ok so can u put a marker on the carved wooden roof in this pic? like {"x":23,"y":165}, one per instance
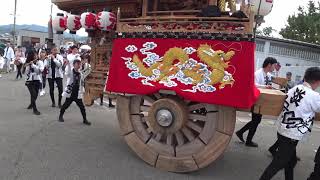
{"x":128,"y":7}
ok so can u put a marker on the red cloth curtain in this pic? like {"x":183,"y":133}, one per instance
{"x":125,"y":77}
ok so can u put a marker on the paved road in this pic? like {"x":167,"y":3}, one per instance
{"x":41,"y":148}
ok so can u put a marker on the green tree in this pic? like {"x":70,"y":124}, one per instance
{"x":305,"y":25}
{"x":267,"y":31}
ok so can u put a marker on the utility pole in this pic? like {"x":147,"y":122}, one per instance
{"x":50,"y":30}
{"x":14,"y":22}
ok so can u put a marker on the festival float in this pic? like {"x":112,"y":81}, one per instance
{"x":179,"y":70}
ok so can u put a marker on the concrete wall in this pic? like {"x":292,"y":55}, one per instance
{"x":41,"y":35}
{"x":299,"y":57}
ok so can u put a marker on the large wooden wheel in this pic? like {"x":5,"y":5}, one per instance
{"x":172,"y":134}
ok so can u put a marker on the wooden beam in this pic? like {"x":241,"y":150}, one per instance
{"x":213,"y":2}
{"x":144,"y":8}
{"x":155,"y":5}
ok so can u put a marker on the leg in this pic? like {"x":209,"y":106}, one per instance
{"x":273,"y":149}
{"x":60,"y":90}
{"x":256,"y":119}
{"x":65,"y":106}
{"x":101,"y":99}
{"x":316,"y":173}
{"x":246,"y":128}
{"x":110,"y":103}
{"x":30,"y":91}
{"x":44,"y":82}
{"x":83,"y":111}
{"x":35,"y":91}
{"x":51,"y":87}
{"x":282,"y":158}
{"x":288,"y":170}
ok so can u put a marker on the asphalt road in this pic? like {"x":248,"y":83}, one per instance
{"x":40,"y":148}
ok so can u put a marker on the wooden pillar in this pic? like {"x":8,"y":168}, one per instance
{"x":213,"y":2}
{"x":155,"y":5}
{"x":144,"y":8}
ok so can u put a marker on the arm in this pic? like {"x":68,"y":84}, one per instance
{"x":38,"y":68}
{"x":58,"y":61}
{"x":68,"y":70}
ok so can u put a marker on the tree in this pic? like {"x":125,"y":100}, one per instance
{"x":267,"y":31}
{"x":305,"y":25}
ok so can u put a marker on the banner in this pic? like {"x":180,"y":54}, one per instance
{"x":208,"y":71}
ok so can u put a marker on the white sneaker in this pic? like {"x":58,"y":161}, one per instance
{"x":42,"y":92}
{"x":0,"y":75}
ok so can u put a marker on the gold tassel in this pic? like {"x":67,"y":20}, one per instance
{"x":222,"y":5}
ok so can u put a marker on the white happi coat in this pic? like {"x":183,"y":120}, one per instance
{"x":58,"y":60}
{"x":298,"y":114}
{"x":69,"y":74}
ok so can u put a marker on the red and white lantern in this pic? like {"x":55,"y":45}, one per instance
{"x":73,"y":23}
{"x":59,"y":23}
{"x":88,"y":21}
{"x":265,"y":6}
{"x":106,"y":21}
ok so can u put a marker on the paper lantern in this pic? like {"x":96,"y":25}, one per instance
{"x":265,"y":7}
{"x":59,"y":23}
{"x":73,"y":23}
{"x":106,"y":21}
{"x":88,"y":21}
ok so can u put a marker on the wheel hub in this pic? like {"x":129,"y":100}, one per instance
{"x":164,"y":118}
{"x":167,"y":116}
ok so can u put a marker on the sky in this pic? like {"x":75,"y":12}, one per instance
{"x":38,"y":11}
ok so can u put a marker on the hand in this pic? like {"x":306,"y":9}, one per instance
{"x":268,"y":87}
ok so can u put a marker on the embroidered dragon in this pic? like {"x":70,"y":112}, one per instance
{"x":175,"y":58}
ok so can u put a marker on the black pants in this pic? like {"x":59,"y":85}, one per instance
{"x":251,"y":126}
{"x":80,"y":104}
{"x":44,"y":82}
{"x":60,"y":89}
{"x":285,"y":158}
{"x":316,"y":172}
{"x":33,"y":87}
{"x":19,"y":74}
{"x":274,"y":147}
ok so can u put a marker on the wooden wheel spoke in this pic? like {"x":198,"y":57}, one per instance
{"x":179,"y":138}
{"x":190,"y":136}
{"x":144,"y":108}
{"x":158,"y":137}
{"x":194,"y":126}
{"x":169,"y":139}
{"x":198,"y":117}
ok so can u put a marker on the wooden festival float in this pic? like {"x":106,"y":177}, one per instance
{"x":180,"y":70}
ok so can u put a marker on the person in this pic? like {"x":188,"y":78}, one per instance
{"x":1,"y":63}
{"x":55,"y":75}
{"x":33,"y":70}
{"x":289,"y":86}
{"x":19,"y":60}
{"x":75,"y":89}
{"x":290,"y":83}
{"x":295,"y":123}
{"x":263,"y":79}
{"x":43,"y":58}
{"x":8,"y":56}
{"x":72,"y":55}
{"x":315,"y":175}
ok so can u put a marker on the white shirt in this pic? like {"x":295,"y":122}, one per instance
{"x":34,"y":71}
{"x":262,"y":79}
{"x":8,"y":53}
{"x":298,"y":114}
{"x":58,"y":60}
{"x":71,"y":57}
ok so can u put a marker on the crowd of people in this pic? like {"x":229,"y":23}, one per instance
{"x":49,"y":65}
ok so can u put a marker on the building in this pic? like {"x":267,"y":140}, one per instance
{"x":27,"y":37}
{"x":294,"y":56}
